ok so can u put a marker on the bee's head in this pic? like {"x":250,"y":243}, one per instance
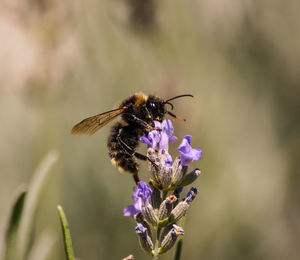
{"x":157,"y":109}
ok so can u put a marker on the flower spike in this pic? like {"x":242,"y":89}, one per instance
{"x":157,"y":206}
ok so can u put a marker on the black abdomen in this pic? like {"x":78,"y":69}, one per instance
{"x":119,"y":157}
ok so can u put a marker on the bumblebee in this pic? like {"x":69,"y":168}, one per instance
{"x":138,"y":113}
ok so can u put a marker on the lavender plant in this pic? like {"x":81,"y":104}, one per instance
{"x":156,"y":207}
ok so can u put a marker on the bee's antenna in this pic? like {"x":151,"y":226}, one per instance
{"x":169,"y":104}
{"x":185,"y":95}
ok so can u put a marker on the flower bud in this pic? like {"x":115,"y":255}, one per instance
{"x":191,"y":195}
{"x":164,"y":232}
{"x":179,"y":211}
{"x":149,"y":214}
{"x":190,"y":177}
{"x":154,"y":170}
{"x":144,"y":239}
{"x":179,"y":172}
{"x":165,"y":176}
{"x":181,"y":208}
{"x":139,"y":218}
{"x":166,"y":207}
{"x":170,"y":238}
{"x":155,"y":197}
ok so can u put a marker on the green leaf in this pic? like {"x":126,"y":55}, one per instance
{"x":8,"y":237}
{"x":34,"y":192}
{"x":66,"y":234}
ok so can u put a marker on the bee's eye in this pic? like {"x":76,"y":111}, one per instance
{"x":152,"y":105}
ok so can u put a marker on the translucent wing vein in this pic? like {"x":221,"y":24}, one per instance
{"x":92,"y":124}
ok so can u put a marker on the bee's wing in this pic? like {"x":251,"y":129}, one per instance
{"x":92,"y":124}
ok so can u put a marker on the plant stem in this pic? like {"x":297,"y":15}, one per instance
{"x":164,"y":195}
{"x":156,"y":246}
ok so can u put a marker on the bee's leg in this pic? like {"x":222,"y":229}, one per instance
{"x":139,"y":121}
{"x":136,"y":178}
{"x":131,"y":151}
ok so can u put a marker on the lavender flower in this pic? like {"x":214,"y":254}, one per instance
{"x":141,"y":196}
{"x":171,"y":174}
{"x":158,"y":206}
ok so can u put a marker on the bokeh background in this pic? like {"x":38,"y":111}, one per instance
{"x":61,"y":61}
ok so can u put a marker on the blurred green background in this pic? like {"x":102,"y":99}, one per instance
{"x":61,"y":61}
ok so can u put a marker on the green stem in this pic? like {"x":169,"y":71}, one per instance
{"x":179,"y":242}
{"x":156,"y":246}
{"x":158,"y":231}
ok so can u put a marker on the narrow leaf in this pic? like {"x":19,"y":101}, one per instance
{"x":66,"y":234}
{"x":8,"y":236}
{"x":32,"y":199}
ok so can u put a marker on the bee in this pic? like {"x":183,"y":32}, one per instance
{"x":138,"y":113}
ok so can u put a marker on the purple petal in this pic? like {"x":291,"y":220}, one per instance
{"x":130,"y":211}
{"x":155,"y":138}
{"x":157,"y":125}
{"x":169,"y":130}
{"x":188,"y":154}
{"x":137,"y":200}
{"x":172,"y":139}
{"x":169,"y":160}
{"x":144,"y":192}
{"x":168,"y":127}
{"x":185,"y":145}
{"x":166,"y":136}
{"x":141,"y":195}
{"x":145,"y":140}
{"x":196,"y":154}
{"x":164,"y":142}
{"x":152,"y":139}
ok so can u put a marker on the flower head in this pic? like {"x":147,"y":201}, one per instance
{"x":169,"y":174}
{"x":141,"y":196}
{"x":160,"y":206}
